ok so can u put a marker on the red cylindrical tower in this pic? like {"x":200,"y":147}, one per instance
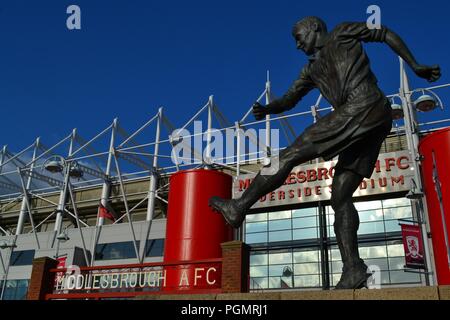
{"x":194,"y":231}
{"x":435,"y":148}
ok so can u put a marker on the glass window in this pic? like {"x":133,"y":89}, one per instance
{"x":361,"y":206}
{"x":372,"y":252}
{"x":335,"y":278}
{"x":259,"y":283}
{"x":330,"y":219}
{"x":258,"y":258}
{"x":331,"y":233}
{"x":117,"y":250}
{"x":155,"y":248}
{"x":398,"y":202}
{"x":306,"y":256}
{"x":306,"y":268}
{"x":308,"y":233}
{"x":381,"y":263}
{"x":284,"y":257}
{"x":279,"y":270}
{"x":336,"y":266}
{"x":256,"y":217}
{"x":15,"y":289}
{"x":287,"y":282}
{"x":398,"y":213}
{"x":383,"y":276}
{"x":396,"y":250}
{"x":280,"y":215}
{"x":334,"y":254}
{"x":404,"y":277}
{"x":306,"y":212}
{"x":256,"y":237}
{"x":22,"y":258}
{"x":275,"y":282}
{"x":280,"y":236}
{"x":256,"y":227}
{"x":371,"y":215}
{"x":280,"y":224}
{"x":307,"y":281}
{"x":392,"y":226}
{"x":397,"y":263}
{"x":371,"y":227}
{"x":304,"y":222}
{"x":259,"y":271}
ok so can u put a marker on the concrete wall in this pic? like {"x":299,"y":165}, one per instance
{"x":417,"y":293}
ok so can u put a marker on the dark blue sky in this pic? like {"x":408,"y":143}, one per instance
{"x":133,"y":56}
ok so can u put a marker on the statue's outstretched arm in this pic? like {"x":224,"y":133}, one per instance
{"x":431,"y":73}
{"x":296,"y":92}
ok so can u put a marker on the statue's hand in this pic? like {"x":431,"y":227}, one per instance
{"x":431,"y":73}
{"x":259,"y":111}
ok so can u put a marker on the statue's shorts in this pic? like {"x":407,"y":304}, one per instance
{"x":355,"y":131}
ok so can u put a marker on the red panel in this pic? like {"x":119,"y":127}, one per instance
{"x":439,"y":144}
{"x":194,"y":231}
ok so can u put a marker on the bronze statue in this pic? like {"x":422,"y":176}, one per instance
{"x":355,"y":130}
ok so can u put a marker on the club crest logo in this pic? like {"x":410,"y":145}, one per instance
{"x":413,"y":247}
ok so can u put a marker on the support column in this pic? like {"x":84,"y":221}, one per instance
{"x":154,"y":173}
{"x":152,"y":189}
{"x":63,"y":195}
{"x":419,"y":206}
{"x":23,"y":207}
{"x":235,"y":267}
{"x":268,"y":142}
{"x":42,"y":281}
{"x":106,"y":188}
{"x":207,"y":158}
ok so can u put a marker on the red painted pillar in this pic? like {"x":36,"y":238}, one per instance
{"x":434,"y":173}
{"x":194,"y":231}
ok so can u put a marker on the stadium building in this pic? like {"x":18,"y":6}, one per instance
{"x":103,"y":204}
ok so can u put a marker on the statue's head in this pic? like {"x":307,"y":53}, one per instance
{"x":307,"y":32}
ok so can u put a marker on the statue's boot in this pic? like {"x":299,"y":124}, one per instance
{"x":234,"y":210}
{"x":230,"y":209}
{"x":354,"y":277}
{"x":354,"y":272}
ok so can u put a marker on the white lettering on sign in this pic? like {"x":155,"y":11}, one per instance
{"x":184,"y":279}
{"x":163,"y":278}
{"x":197,"y":276}
{"x":207,"y":276}
{"x":104,"y":280}
{"x":312,"y":182}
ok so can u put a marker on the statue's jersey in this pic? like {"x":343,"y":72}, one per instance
{"x":341,"y":71}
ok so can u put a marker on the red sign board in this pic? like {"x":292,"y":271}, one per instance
{"x":202,"y":276}
{"x":413,"y":245}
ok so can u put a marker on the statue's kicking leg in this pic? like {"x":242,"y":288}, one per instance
{"x":346,"y":225}
{"x":267,"y":180}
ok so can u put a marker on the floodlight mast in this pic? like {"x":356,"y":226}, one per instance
{"x":63,"y":193}
{"x":154,"y":171}
{"x":25,"y":199}
{"x":106,"y":187}
{"x":412,"y":138}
